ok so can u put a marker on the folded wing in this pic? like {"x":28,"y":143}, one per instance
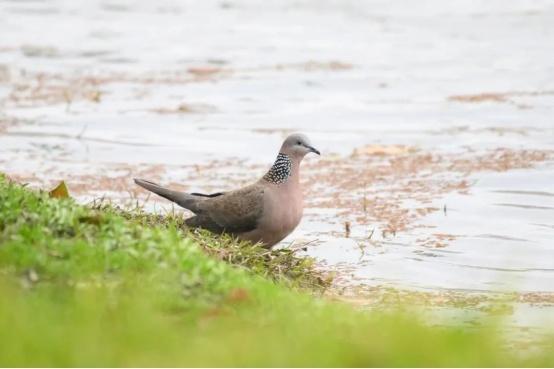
{"x":231,"y":212}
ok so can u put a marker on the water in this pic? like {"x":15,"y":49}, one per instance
{"x":435,"y":121}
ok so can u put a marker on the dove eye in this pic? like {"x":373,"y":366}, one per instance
{"x":299,"y":143}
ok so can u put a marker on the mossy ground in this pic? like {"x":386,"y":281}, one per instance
{"x":95,"y":286}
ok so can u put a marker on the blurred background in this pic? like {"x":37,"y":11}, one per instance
{"x":434,"y":119}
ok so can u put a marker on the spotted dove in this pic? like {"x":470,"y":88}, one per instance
{"x":266,"y":211}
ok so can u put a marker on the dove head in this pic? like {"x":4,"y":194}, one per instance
{"x":296,"y":146}
{"x":292,"y":151}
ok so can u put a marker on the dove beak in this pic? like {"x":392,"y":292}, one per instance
{"x":314,"y":150}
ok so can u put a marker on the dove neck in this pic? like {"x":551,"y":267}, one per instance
{"x":281,"y":170}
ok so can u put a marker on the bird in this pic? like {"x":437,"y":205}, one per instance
{"x":263,"y":212}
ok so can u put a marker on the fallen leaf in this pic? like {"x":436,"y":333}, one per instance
{"x":60,"y":192}
{"x":204,"y":71}
{"x":238,"y":295}
{"x":382,"y":150}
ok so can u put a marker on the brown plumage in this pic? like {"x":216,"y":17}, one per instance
{"x":266,"y":211}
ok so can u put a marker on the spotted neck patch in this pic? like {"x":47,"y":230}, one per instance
{"x":280,"y":171}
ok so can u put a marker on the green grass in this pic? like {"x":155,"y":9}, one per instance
{"x":85,"y":286}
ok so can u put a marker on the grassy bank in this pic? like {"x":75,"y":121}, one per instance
{"x":88,"y":287}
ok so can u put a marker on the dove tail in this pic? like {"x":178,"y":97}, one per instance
{"x":180,"y":198}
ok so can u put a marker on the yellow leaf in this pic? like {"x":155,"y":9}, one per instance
{"x":60,"y":192}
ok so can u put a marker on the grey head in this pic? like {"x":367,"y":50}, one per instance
{"x":293,"y":150}
{"x":296,"y":146}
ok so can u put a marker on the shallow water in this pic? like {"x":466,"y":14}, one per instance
{"x":435,"y":121}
